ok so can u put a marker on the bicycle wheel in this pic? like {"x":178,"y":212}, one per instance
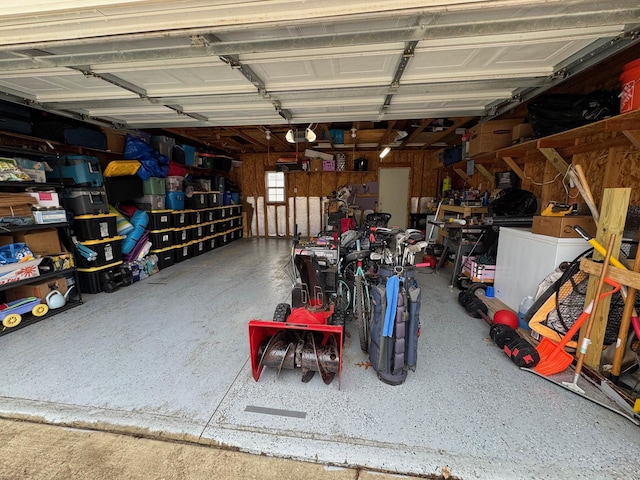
{"x":361,"y":313}
{"x":343,"y":296}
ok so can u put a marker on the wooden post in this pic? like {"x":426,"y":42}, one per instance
{"x":613,"y":214}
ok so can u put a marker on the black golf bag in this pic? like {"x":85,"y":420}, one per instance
{"x":393,"y":348}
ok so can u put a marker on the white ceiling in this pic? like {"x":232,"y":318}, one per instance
{"x":189,"y":63}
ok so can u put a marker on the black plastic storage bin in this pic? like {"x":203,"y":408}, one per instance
{"x":108,"y":250}
{"x":159,"y":219}
{"x":123,"y":188}
{"x":165,"y":257}
{"x":85,"y":201}
{"x":182,"y":252}
{"x":210,"y":242}
{"x":208,"y":215}
{"x":181,"y":235}
{"x":214,"y":199}
{"x":198,"y":247}
{"x":196,"y":216}
{"x":161,"y":238}
{"x":91,"y":280}
{"x":95,"y":227}
{"x":180,"y":218}
{"x":196,"y":201}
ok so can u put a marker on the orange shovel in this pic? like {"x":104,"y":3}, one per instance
{"x":553,"y":358}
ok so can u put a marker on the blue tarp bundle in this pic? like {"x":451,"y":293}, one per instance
{"x":152,"y":163}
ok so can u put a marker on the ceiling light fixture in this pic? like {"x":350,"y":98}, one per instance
{"x":353,"y":132}
{"x":400,"y":135}
{"x":385,"y":152}
{"x":290,"y":136}
{"x":309,"y":134}
{"x":267,"y":134}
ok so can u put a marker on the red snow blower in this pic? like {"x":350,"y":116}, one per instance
{"x":308,"y":336}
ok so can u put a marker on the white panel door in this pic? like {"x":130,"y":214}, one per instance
{"x":393,"y":195}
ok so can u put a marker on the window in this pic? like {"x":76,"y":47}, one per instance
{"x":275,"y":187}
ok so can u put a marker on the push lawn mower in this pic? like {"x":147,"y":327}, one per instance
{"x":307,"y":334}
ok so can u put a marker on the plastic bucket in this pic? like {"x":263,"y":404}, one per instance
{"x":630,"y":92}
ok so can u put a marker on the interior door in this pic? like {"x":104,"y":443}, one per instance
{"x":394,"y":194}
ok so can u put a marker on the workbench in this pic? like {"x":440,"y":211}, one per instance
{"x":460,"y":240}
{"x":461,"y":211}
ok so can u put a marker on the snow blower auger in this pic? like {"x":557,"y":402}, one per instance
{"x":308,"y":336}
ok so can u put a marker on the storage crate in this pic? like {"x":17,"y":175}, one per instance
{"x":198,"y":247}
{"x":85,"y":201}
{"x":174,"y":200}
{"x":91,"y":279}
{"x":208,"y":215}
{"x":173,"y":184}
{"x":95,"y":227}
{"x":214,"y":199}
{"x":196,"y":217}
{"x":123,"y":188}
{"x":478,"y":273}
{"x":150,"y":202}
{"x":209,"y":228}
{"x":180,"y":218}
{"x":221,"y":212}
{"x":75,"y":170}
{"x":181,"y":252}
{"x":44,"y":216}
{"x":184,"y":154}
{"x":159,"y":219}
{"x":165,"y":257}
{"x":48,"y":198}
{"x":197,"y":201}
{"x":153,"y":186}
{"x":181,"y":235}
{"x":163,"y":145}
{"x":161,"y":238}
{"x":109,"y":250}
{"x":328,"y":165}
{"x":197,"y":232}
{"x":210,"y":242}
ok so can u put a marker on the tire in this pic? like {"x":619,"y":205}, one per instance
{"x":475,"y":287}
{"x":343,"y":296}
{"x":282,"y":312}
{"x":362,"y":309}
{"x":11,"y":320}
{"x":463,"y":283}
{"x":40,"y":310}
{"x":350,"y":271}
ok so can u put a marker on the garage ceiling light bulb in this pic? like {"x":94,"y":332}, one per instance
{"x":385,"y":152}
{"x":353,"y":132}
{"x":310,"y":135}
{"x":289,"y":136}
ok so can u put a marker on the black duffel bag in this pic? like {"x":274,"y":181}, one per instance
{"x":555,"y":113}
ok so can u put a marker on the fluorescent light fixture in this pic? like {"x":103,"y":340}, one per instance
{"x":310,"y":135}
{"x":290,"y":136}
{"x":385,"y":152}
{"x":400,"y":135}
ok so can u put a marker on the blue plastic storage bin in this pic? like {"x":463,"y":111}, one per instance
{"x":75,"y":170}
{"x":174,"y":200}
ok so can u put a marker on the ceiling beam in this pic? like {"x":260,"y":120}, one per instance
{"x":424,"y":123}
{"x":458,"y":122}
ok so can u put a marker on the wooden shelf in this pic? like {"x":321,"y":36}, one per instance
{"x":564,"y":142}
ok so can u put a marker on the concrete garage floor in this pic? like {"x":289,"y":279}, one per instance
{"x":168,"y":358}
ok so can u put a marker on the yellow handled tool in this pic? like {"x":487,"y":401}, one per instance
{"x":598,"y":247}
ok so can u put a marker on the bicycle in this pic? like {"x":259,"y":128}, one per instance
{"x":362,"y":304}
